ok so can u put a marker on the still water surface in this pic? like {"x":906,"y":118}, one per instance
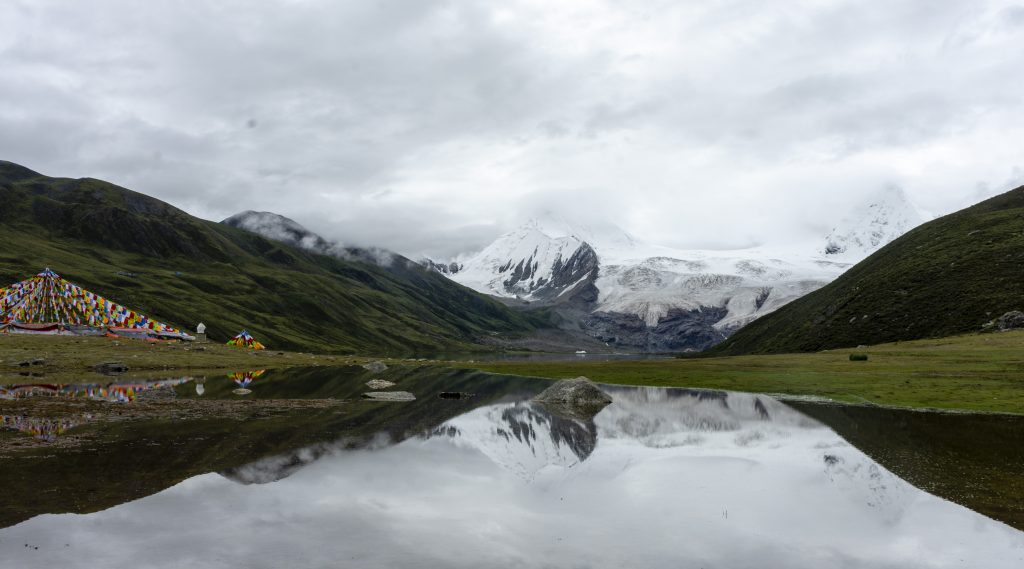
{"x":660,"y":478}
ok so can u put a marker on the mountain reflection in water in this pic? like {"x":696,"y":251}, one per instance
{"x":660,"y":478}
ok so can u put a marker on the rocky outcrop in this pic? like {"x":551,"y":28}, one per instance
{"x":1012,"y":320}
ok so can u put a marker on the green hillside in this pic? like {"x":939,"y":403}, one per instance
{"x":946,"y":277}
{"x":183,"y":270}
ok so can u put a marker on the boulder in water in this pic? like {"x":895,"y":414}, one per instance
{"x":579,"y":398}
{"x":379,"y":384}
{"x":375,"y":367}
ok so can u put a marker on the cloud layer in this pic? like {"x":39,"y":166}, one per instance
{"x":430,"y":127}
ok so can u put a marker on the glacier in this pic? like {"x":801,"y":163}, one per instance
{"x":632,"y":294}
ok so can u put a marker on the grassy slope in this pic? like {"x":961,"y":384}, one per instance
{"x":974,"y":373}
{"x":945,"y":277}
{"x":193,"y":270}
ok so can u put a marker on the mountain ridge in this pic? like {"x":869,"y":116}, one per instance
{"x":180,"y":269}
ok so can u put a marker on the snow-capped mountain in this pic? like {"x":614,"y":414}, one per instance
{"x":636,"y":295}
{"x":533,"y":262}
{"x":881,"y":220}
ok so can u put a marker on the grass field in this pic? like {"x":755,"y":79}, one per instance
{"x":70,"y":359}
{"x":983,"y":372}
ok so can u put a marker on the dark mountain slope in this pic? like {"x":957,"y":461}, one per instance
{"x":948,"y":276}
{"x":180,"y":269}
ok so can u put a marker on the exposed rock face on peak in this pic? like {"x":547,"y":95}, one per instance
{"x":529,"y":263}
{"x":880,"y":221}
{"x":443,"y":268}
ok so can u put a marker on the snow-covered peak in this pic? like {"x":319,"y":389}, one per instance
{"x":879,"y":221}
{"x":533,"y":260}
{"x":601,"y":234}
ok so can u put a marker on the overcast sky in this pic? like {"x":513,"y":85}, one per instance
{"x":431,"y":127}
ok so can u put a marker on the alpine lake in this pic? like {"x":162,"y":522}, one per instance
{"x":298,"y":468}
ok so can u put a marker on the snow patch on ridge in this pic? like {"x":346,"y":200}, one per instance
{"x":748,"y":283}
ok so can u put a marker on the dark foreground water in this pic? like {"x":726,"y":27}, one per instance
{"x":660,"y":478}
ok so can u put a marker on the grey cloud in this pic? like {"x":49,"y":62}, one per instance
{"x":431,"y":127}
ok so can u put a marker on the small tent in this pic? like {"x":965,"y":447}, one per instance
{"x":48,"y":304}
{"x":245,"y":340}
